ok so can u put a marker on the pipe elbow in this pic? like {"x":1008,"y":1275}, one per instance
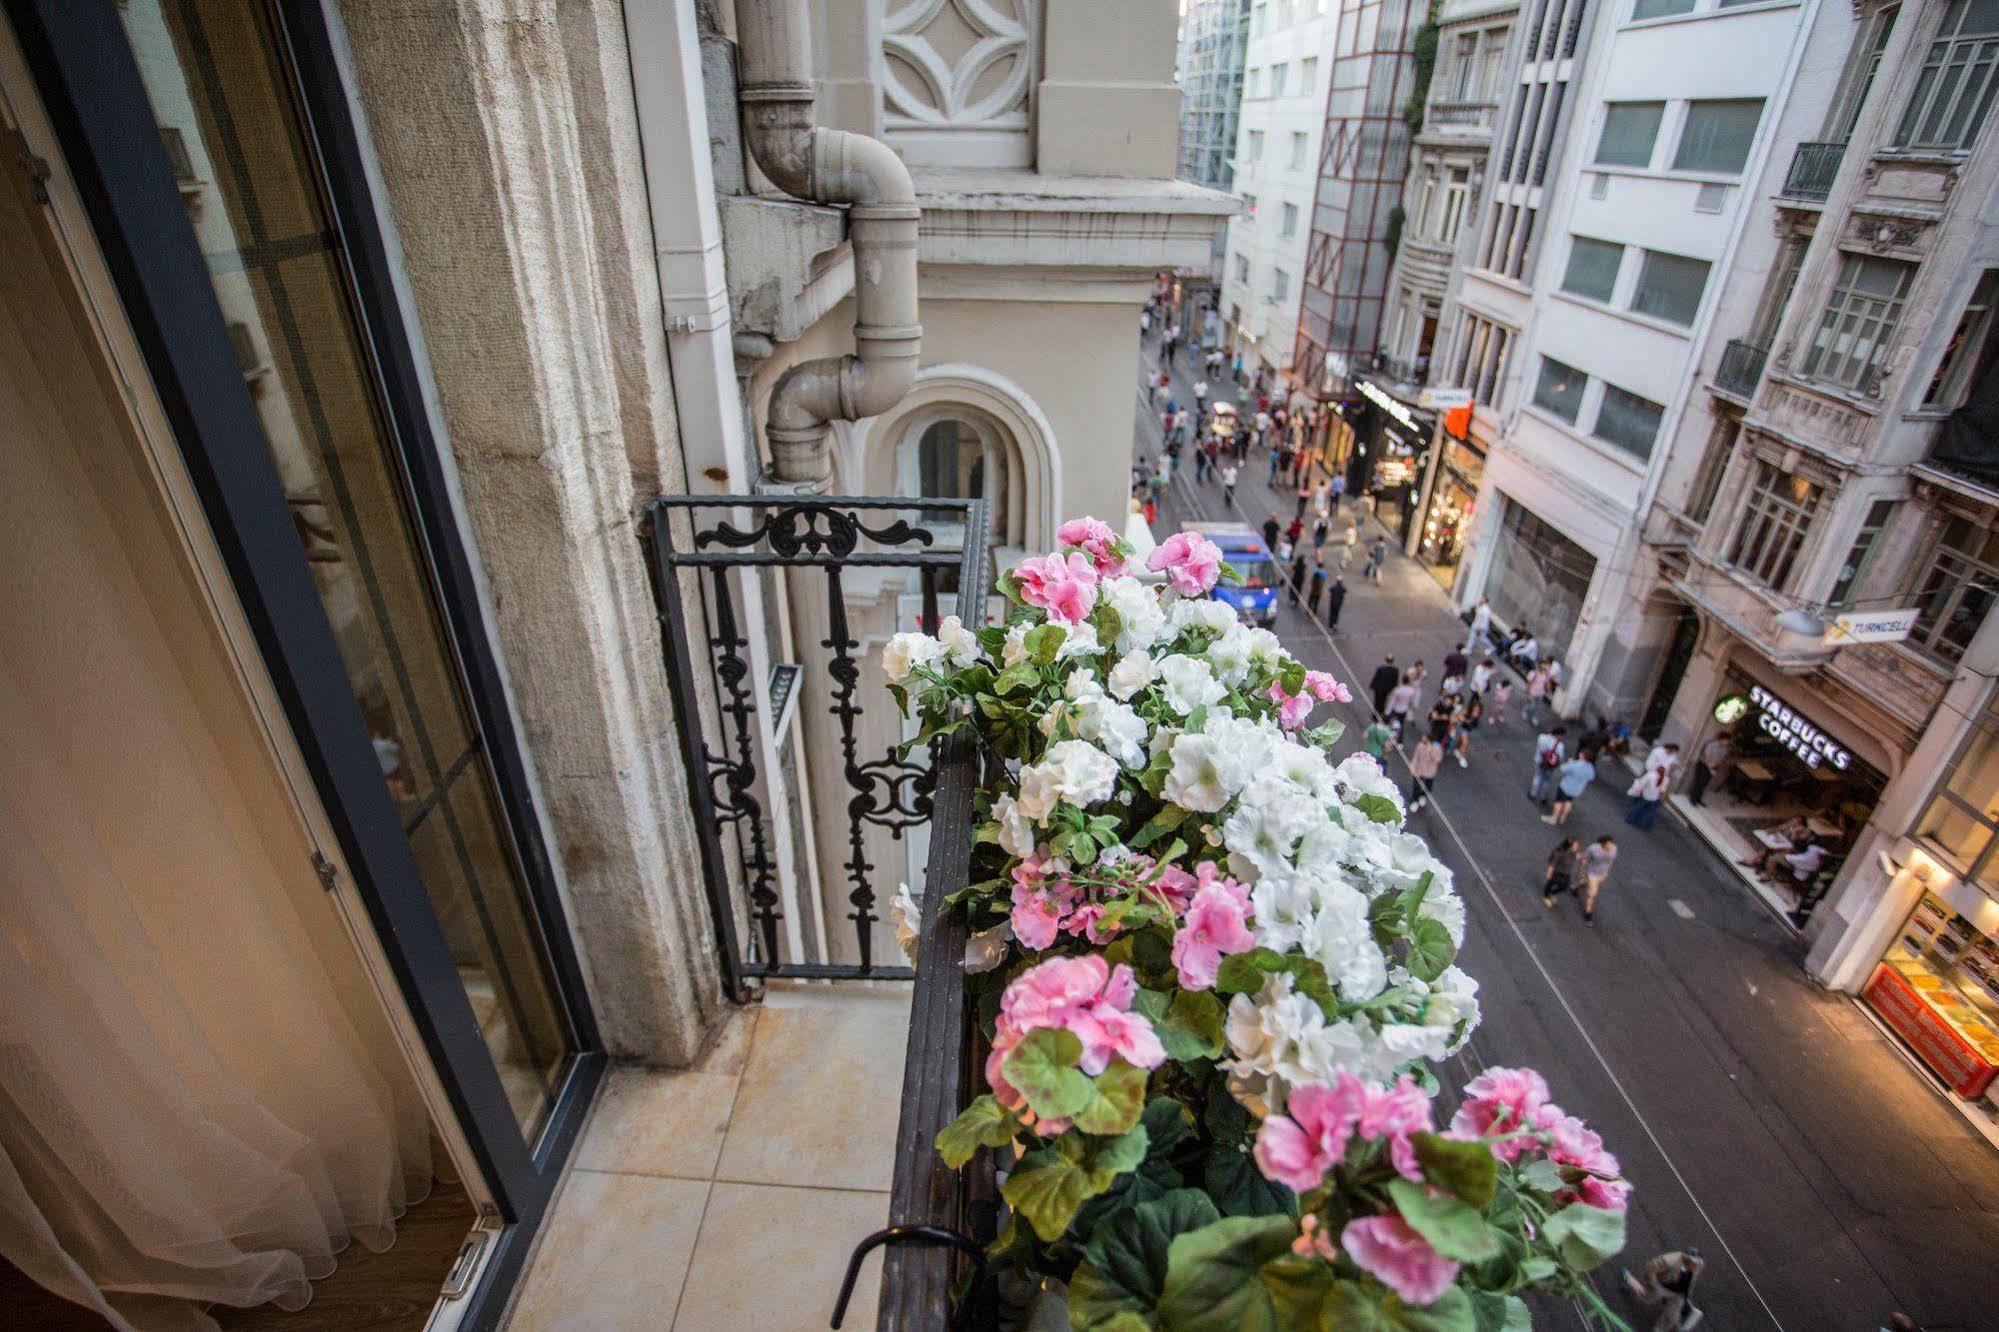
{"x":856,"y":169}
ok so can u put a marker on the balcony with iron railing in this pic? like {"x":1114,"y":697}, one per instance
{"x":1741,"y":368}
{"x":1814,"y":167}
{"x":1459,"y":117}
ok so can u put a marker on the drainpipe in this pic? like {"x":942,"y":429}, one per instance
{"x":830,"y":166}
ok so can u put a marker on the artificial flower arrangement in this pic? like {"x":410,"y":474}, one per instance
{"x":1216,"y":970}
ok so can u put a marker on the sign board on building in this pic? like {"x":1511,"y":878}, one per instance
{"x":1871,"y":627}
{"x":1781,"y":723}
{"x":1443,"y":399}
{"x":1396,"y":410}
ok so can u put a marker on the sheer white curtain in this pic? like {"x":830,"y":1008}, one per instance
{"x":201,"y":1100}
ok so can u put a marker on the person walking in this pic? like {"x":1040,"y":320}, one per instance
{"x":1201,"y":395}
{"x":1339,"y":491}
{"x":1502,"y":694}
{"x":1570,"y":781}
{"x":1336,"y":600}
{"x":1424,"y":760}
{"x":1456,"y":663}
{"x":1271,"y":527}
{"x":1665,"y":1285}
{"x":1707,"y":767}
{"x":1400,"y":700}
{"x":1376,"y":739}
{"x":1318,"y":583}
{"x":1321,"y":529}
{"x":1481,"y":624}
{"x":1377,"y":555}
{"x":1645,"y":793}
{"x":1666,"y":760}
{"x":1348,"y":541}
{"x":1283,"y":554}
{"x":1550,"y":751}
{"x":1564,"y":872}
{"x":1598,"y":857}
{"x":1386,"y":676}
{"x":1298,"y":574}
{"x":1481,"y":676}
{"x":1228,"y":484}
{"x":1537,"y":695}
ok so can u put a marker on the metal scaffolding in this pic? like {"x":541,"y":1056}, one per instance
{"x":1214,"y":42}
{"x":1363,"y":158}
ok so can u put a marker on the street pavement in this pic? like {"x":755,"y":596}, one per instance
{"x":1763,"y":1120}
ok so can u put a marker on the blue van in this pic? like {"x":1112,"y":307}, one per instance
{"x":1255,"y":599}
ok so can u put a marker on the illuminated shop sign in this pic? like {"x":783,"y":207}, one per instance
{"x":1777,"y":720}
{"x":1366,"y":388}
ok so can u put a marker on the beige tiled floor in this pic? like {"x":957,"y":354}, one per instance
{"x":728,"y":1196}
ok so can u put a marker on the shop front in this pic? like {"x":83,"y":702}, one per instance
{"x":1938,"y":990}
{"x":1538,"y":579}
{"x":1453,"y":498}
{"x":1788,"y":801}
{"x":1391,"y":451}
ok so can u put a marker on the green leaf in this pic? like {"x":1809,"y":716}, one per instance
{"x":1453,"y":1227}
{"x":1500,"y":1313}
{"x":1050,"y":1183}
{"x":1239,"y":1275}
{"x":1124,"y":1263}
{"x":1230,"y":1174}
{"x":1043,"y":1067}
{"x":1020,"y":675}
{"x":1542,"y":1176}
{"x":1467,"y":1169}
{"x":1191,"y":1025}
{"x":1230,"y":575}
{"x":1120,"y":1095}
{"x":1377,"y":807}
{"x":1354,"y":1306}
{"x":1043,"y":642}
{"x":1583,"y":1235}
{"x":1243,"y":973}
{"x":1156,"y":827}
{"x":1109,"y":623}
{"x":1430,"y":949}
{"x":984,"y":1123}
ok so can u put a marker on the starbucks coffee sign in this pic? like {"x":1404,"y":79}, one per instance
{"x":1777,"y":720}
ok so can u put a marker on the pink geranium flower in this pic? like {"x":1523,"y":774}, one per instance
{"x":1297,"y":1148}
{"x":1501,"y":1101}
{"x":1326,"y":689}
{"x":1041,"y":900}
{"x":1191,"y":562}
{"x":1389,"y":1248}
{"x":1292,"y":709}
{"x":1084,"y":995}
{"x":1064,"y":586}
{"x":1094,"y":537}
{"x":1394,"y":1113}
{"x":1215,"y":926}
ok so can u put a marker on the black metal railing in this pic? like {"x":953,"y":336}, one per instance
{"x":807,"y":548}
{"x":1814,"y":167}
{"x":1741,"y":368}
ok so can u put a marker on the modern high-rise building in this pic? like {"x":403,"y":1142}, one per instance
{"x":1214,"y":44}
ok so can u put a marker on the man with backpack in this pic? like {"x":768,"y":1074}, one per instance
{"x":1550,"y":751}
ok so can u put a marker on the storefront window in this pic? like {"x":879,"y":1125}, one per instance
{"x":1539,"y":579}
{"x":1964,"y":812}
{"x":1938,"y":988}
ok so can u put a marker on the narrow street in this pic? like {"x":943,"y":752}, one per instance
{"x":1764,"y":1121}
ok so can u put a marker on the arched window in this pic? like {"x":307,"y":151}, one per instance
{"x":956,"y":452}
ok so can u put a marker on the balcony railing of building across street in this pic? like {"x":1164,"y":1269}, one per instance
{"x":702,"y":550}
{"x":1814,"y":167}
{"x":1741,"y":368}
{"x":1460,"y":115}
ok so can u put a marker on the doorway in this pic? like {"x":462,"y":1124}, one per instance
{"x":1672,"y":668}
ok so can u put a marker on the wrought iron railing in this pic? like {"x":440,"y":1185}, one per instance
{"x":1741,"y":368}
{"x":1814,"y":167}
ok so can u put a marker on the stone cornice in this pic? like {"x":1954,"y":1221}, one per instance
{"x":1005,"y":219}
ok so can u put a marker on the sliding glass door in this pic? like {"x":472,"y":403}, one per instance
{"x":215,"y":147}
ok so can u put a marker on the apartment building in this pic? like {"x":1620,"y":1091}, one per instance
{"x":1276,"y":176}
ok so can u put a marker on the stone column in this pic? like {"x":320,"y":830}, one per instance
{"x":1108,"y":105}
{"x":509,"y":151}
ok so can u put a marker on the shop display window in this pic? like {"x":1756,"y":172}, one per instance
{"x":1938,"y":987}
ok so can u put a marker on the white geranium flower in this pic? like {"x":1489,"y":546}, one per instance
{"x":1016,"y":830}
{"x":1285,"y":908}
{"x":1264,"y":647}
{"x":1189,"y":684}
{"x":906,"y":916}
{"x":1139,"y":613}
{"x":1307,"y":768}
{"x":1080,"y":641}
{"x":1133,"y":672}
{"x":1014,"y":650}
{"x":1343,"y":942}
{"x":1229,"y":655}
{"x":960,"y":644}
{"x":1243,"y":748}
{"x":1454,"y":1007}
{"x":1264,"y":830}
{"x":1193,"y":781}
{"x":1443,"y":905}
{"x":1201,"y":613}
{"x":1118,"y":729}
{"x":904,"y":653}
{"x":1073,"y":772}
{"x":1336,"y":1047}
{"x":1362,"y":775}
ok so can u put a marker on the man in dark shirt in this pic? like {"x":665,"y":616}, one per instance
{"x":1455,"y":663}
{"x":1386,"y":676}
{"x":1270,"y":531}
{"x":1336,"y":597}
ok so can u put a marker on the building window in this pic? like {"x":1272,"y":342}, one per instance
{"x":1250,"y":82}
{"x":1775,"y":519}
{"x":1963,"y":814}
{"x":1960,"y":73}
{"x":1714,"y":466}
{"x":1278,"y":74}
{"x":1629,"y":131}
{"x":1289,"y":226}
{"x":1670,"y":287}
{"x":1628,"y":421}
{"x":1481,"y":358}
{"x":1280,"y":284}
{"x":1957,"y":589}
{"x":1249,"y":206}
{"x":1255,"y":145}
{"x":1308,"y":73}
{"x":1857,"y":555}
{"x":1241,"y":268}
{"x":1592,"y":269}
{"x":1965,"y":349}
{"x":1451,"y":218}
{"x":1857,"y":332}
{"x":1718,"y":135}
{"x":1464,"y":67}
{"x":1560,"y":389}
{"x":1650,"y":9}
{"x":1862,"y":65}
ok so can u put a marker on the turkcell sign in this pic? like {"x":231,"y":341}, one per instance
{"x":1871,"y":627}
{"x":1796,"y":734}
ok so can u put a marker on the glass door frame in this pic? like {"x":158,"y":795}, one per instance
{"x":90,"y":87}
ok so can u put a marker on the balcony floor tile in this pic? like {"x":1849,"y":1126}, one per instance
{"x":772,"y":1257}
{"x":615,"y":1255}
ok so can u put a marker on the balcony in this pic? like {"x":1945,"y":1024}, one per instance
{"x":1814,"y":167}
{"x":1459,"y":117}
{"x":1741,"y":368}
